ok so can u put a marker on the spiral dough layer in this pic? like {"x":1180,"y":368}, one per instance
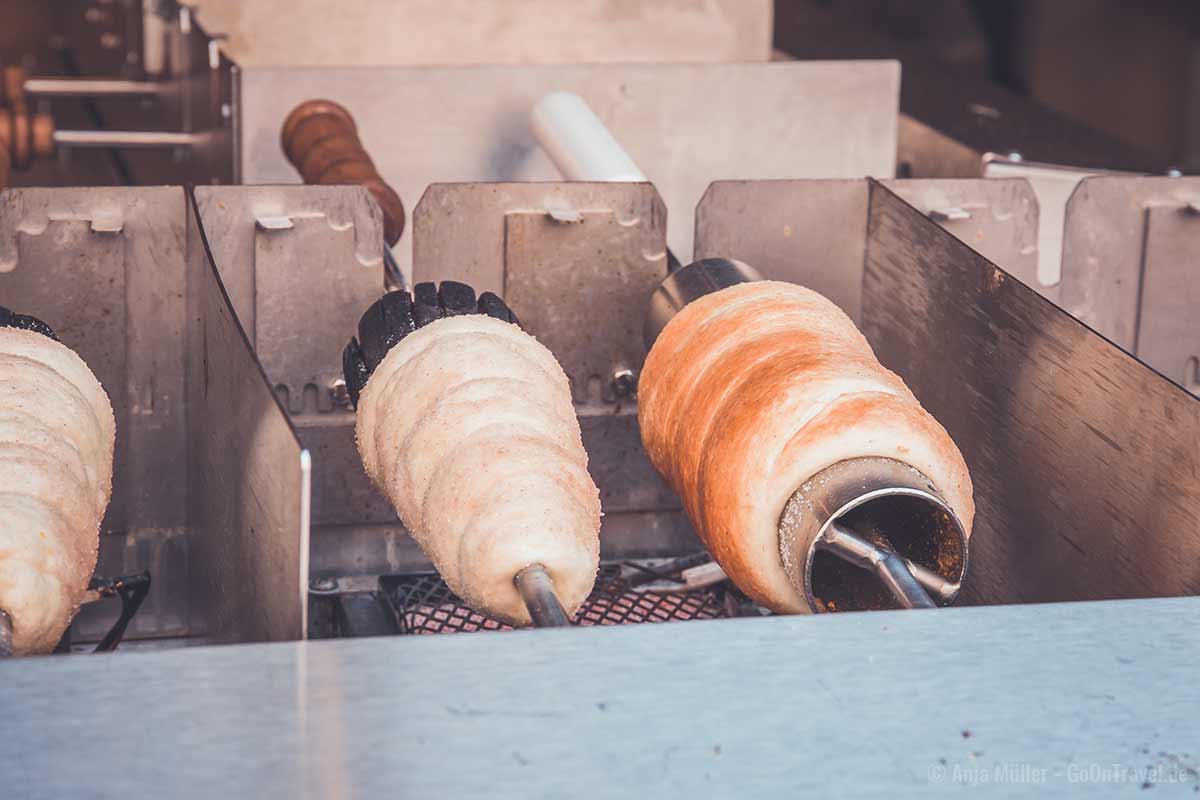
{"x":751,"y":391}
{"x":467,"y":426}
{"x":56,"y":456}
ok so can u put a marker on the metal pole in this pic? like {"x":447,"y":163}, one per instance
{"x":893,"y":570}
{"x":537,"y":590}
{"x":6,"y":635}
{"x":92,"y":87}
{"x":129,"y":139}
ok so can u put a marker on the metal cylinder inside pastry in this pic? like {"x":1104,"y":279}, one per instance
{"x":56,"y":454}
{"x":751,"y":391}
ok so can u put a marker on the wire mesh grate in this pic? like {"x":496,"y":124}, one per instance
{"x":424,"y":604}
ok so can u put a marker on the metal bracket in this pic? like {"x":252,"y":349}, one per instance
{"x":1106,"y":254}
{"x":1168,"y":336}
{"x":580,"y":287}
{"x":310,"y":289}
{"x":582,"y":290}
{"x":105,"y":268}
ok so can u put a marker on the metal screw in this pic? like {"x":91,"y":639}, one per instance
{"x":624,"y":382}
{"x":323,"y":585}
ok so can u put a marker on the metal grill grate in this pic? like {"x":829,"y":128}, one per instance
{"x":424,"y":604}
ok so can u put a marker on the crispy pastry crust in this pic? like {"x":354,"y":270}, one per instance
{"x":56,"y":454}
{"x":751,"y":391}
{"x":467,"y":426}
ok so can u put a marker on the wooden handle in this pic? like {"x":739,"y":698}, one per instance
{"x":12,"y":86}
{"x":321,"y":140}
{"x":24,"y":136}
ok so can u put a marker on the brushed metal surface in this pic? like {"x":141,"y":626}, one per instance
{"x":1033,"y":700}
{"x":446,"y":211}
{"x":104,"y":267}
{"x":1084,"y":460}
{"x":1103,"y":249}
{"x":230,"y":216}
{"x":807,"y":232}
{"x":781,"y":120}
{"x":248,"y":576}
{"x":814,"y":232}
{"x":1168,"y":332}
{"x":581,"y":289}
{"x":310,"y":290}
{"x":463,"y":32}
{"x":1002,"y":222}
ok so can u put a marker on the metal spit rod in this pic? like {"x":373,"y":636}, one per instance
{"x":537,"y":590}
{"x":129,"y":139}
{"x":93,"y":87}
{"x":905,"y":580}
{"x":6,"y":635}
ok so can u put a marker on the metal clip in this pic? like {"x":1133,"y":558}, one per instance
{"x":276,"y":223}
{"x":560,"y":210}
{"x":107,"y":223}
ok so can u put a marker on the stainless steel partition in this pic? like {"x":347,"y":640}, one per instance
{"x":210,"y":483}
{"x":1085,"y":461}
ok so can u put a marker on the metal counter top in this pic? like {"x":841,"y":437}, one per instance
{"x":1073,"y":699}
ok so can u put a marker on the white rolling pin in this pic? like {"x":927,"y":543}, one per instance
{"x":581,"y":147}
{"x":578,"y":143}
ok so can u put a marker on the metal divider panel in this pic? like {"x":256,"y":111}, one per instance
{"x":785,"y":119}
{"x":1168,"y":333}
{"x":231,"y":217}
{"x":104,"y":267}
{"x":302,"y":264}
{"x":250,"y":503}
{"x":1107,"y":255}
{"x":995,"y":217}
{"x":812,"y":232}
{"x":577,"y":262}
{"x":805,"y":232}
{"x":447,"y":32}
{"x":1084,"y":461}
